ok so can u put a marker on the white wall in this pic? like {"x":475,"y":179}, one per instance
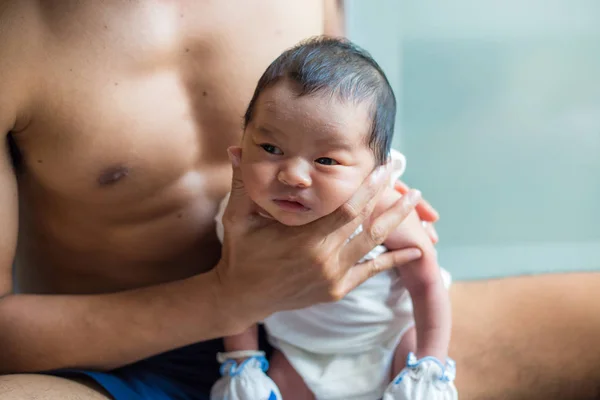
{"x":500,"y":121}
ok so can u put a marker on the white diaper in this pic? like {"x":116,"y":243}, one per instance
{"x":344,"y":350}
{"x":356,"y":376}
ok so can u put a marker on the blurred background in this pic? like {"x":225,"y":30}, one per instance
{"x":499,"y":117}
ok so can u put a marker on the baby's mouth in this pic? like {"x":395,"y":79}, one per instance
{"x":291,"y":205}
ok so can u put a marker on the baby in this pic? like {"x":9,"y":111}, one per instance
{"x":321,"y":119}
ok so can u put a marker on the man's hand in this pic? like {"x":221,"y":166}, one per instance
{"x":268,"y":267}
{"x":425,"y":211}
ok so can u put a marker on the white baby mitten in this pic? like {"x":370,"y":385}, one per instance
{"x":424,"y":379}
{"x":246,"y":381}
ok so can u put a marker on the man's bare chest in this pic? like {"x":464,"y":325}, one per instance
{"x":131,"y":103}
{"x":104,"y":135}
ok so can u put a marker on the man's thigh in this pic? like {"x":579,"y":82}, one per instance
{"x":33,"y":386}
{"x":535,"y":338}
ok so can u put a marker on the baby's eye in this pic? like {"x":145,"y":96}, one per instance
{"x":269,"y":148}
{"x":326,"y":161}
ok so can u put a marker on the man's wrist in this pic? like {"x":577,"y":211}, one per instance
{"x":227,"y":303}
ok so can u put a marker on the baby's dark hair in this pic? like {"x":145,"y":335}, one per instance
{"x":332,"y":66}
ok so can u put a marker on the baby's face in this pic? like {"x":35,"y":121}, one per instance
{"x":303,"y":157}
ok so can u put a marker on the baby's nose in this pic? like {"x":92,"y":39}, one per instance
{"x":296,"y":174}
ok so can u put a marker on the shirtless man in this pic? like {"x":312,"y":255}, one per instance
{"x":116,"y":116}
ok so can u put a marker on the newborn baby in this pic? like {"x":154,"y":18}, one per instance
{"x":321,"y":119}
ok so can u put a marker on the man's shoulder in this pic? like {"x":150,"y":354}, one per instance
{"x":19,"y":59}
{"x":21,"y":25}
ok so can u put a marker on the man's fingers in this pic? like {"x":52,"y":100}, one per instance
{"x":351,"y":214}
{"x":380,"y":228}
{"x":240,"y":207}
{"x":431,"y":232}
{"x":425,"y":210}
{"x":361,"y":272}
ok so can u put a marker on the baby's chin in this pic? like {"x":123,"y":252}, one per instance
{"x":296,"y":220}
{"x":289,"y":219}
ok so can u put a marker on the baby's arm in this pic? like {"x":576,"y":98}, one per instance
{"x":243,"y":370}
{"x":423,"y":280}
{"x":245,"y":341}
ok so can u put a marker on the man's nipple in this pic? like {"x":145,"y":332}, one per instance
{"x":112,"y":175}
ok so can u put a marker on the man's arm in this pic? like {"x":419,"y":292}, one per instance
{"x":106,"y":331}
{"x":8,"y":220}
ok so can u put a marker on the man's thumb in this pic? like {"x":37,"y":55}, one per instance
{"x":240,"y":204}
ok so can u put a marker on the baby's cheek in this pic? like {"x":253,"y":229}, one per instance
{"x":258,"y":173}
{"x":337,"y":198}
{"x":256,"y":180}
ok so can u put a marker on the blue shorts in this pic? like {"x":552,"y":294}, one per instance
{"x":187,"y":373}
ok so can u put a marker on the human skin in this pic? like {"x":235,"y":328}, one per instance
{"x":122,"y":112}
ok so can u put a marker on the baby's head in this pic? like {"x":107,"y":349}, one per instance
{"x":321,"y":119}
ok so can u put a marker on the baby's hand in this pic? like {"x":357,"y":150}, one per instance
{"x":410,"y":233}
{"x":420,"y":274}
{"x":245,"y":381}
{"x":423,"y":280}
{"x":427,"y":214}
